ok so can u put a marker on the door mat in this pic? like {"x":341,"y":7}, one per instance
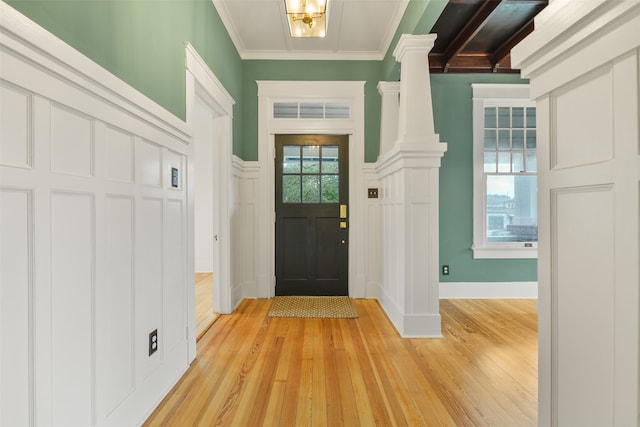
{"x":313,"y":307}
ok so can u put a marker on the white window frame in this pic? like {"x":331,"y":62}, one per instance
{"x":491,"y":95}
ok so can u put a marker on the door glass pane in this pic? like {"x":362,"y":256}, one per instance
{"x":291,"y":189}
{"x":330,"y":189}
{"x":310,"y":159}
{"x":291,"y":159}
{"x":310,"y":188}
{"x":329,"y":159}
{"x":512,"y":209}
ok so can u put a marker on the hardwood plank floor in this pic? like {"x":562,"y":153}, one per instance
{"x":205,"y":315}
{"x":252,"y":370}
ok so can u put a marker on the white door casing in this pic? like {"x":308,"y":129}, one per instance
{"x":310,"y":91}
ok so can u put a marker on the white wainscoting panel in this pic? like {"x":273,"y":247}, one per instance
{"x":72,"y":142}
{"x":149,"y":158}
{"x":244,"y":226}
{"x":94,"y":239}
{"x":585,"y":134}
{"x":72,"y":308}
{"x":583,"y":304}
{"x":16,"y":144}
{"x":120,"y":155}
{"x":16,"y":275}
{"x":118,"y":298}
{"x":174,"y":292}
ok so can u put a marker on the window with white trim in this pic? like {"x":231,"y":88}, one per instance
{"x":505,"y":201}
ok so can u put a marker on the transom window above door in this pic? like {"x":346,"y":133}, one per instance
{"x":310,"y":174}
{"x":311,"y":110}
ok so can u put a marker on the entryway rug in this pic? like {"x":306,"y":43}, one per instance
{"x":313,"y":307}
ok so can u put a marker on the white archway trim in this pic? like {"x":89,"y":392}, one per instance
{"x":351,"y":92}
{"x":202,"y":84}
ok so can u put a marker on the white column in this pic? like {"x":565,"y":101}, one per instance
{"x":409,"y":178}
{"x":416,"y":112}
{"x":390,"y":93}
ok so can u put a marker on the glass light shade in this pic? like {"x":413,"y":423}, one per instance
{"x":307,"y":18}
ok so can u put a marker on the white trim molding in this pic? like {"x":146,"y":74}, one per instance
{"x":351,"y":92}
{"x":493,"y":95}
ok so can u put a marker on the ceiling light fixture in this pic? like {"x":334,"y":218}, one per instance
{"x":307,"y":18}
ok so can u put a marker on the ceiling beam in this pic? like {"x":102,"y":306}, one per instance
{"x":468,"y":32}
{"x":505,"y":48}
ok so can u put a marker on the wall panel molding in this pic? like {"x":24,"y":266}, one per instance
{"x":90,"y":160}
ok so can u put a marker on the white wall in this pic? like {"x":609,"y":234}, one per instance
{"x":94,"y":239}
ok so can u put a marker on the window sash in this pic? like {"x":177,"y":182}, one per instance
{"x":509,"y":151}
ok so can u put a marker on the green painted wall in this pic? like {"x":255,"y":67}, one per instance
{"x":368,"y":71}
{"x":142,"y":42}
{"x":453,"y":117}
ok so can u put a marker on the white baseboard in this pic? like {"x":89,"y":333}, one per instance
{"x":488,"y":290}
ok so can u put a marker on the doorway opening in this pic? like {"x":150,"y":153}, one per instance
{"x":206,"y":136}
{"x":312,"y":233}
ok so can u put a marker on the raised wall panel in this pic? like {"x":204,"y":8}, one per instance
{"x":174,"y":276}
{"x":149,"y":277}
{"x":16,"y":144}
{"x":72,"y":320}
{"x":120,"y":155}
{"x":72,"y":142}
{"x":585,"y":111}
{"x":118,"y":304}
{"x":15,"y":302}
{"x":419,"y":270}
{"x":582,"y":234}
{"x":149,"y":163}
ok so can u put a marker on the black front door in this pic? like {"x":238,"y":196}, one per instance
{"x":312,"y":214}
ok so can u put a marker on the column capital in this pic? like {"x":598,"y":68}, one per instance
{"x":388,"y":87}
{"x":413,"y":43}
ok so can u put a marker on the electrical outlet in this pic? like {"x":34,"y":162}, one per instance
{"x":153,"y":342}
{"x":445,"y":270}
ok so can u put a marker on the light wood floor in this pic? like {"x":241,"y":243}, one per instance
{"x":204,"y":303}
{"x":253,"y":370}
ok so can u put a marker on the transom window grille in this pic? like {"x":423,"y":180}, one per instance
{"x":311,"y":110}
{"x":310,"y":174}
